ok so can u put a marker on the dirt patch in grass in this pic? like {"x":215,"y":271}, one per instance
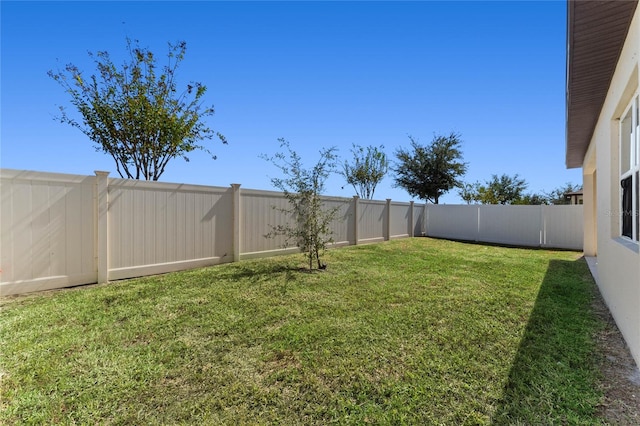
{"x":620,"y":375}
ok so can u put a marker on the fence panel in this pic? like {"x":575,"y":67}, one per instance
{"x":47,"y":231}
{"x":399,"y":224}
{"x":512,"y":225}
{"x":563,"y":227}
{"x":372,"y":221}
{"x":160,"y":227}
{"x":342,"y":227}
{"x":259,"y":212}
{"x":452,"y":221}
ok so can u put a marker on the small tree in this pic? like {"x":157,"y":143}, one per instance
{"x":134,"y":114}
{"x":368,"y":168}
{"x":303,"y":188}
{"x":428,"y":172}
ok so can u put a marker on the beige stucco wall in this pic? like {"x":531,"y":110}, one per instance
{"x":618,"y":260}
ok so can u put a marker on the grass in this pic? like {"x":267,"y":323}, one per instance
{"x":415,"y":331}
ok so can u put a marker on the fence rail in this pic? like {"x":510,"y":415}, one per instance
{"x":61,"y":230}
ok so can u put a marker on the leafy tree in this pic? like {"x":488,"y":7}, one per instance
{"x":558,"y":195}
{"x":510,"y":190}
{"x":134,"y":113}
{"x":368,"y":168}
{"x":469,"y":192}
{"x":501,"y":190}
{"x":532,"y":199}
{"x":303,"y":188}
{"x":428,"y":172}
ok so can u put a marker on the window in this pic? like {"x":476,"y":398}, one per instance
{"x":629,"y":172}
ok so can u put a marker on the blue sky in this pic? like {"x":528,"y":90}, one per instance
{"x":318,"y":74}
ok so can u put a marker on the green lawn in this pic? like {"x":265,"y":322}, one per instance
{"x":414,"y":331}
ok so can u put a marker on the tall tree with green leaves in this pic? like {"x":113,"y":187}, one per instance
{"x":428,"y":172}
{"x":135,"y":112}
{"x":502,"y":189}
{"x":310,"y":228}
{"x":367,"y":169}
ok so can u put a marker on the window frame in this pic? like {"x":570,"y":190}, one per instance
{"x":629,"y":171}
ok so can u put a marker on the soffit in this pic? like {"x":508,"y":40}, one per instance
{"x":596,"y":31}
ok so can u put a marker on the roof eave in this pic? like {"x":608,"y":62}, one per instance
{"x":596,"y":32}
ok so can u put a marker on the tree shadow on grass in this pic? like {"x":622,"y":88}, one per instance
{"x":256,"y":271}
{"x":281,"y":274}
{"x":553,"y":379}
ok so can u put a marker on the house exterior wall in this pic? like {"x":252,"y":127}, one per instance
{"x":618,"y":272}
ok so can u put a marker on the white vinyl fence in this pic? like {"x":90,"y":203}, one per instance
{"x":530,"y":226}
{"x":59,"y":230}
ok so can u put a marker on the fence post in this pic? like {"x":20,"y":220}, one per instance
{"x":356,"y":202}
{"x":478,"y":228}
{"x":388,"y":230}
{"x":425,"y":220}
{"x":543,"y":227}
{"x":236,"y":221}
{"x":411,"y":219}
{"x":102,"y":209}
